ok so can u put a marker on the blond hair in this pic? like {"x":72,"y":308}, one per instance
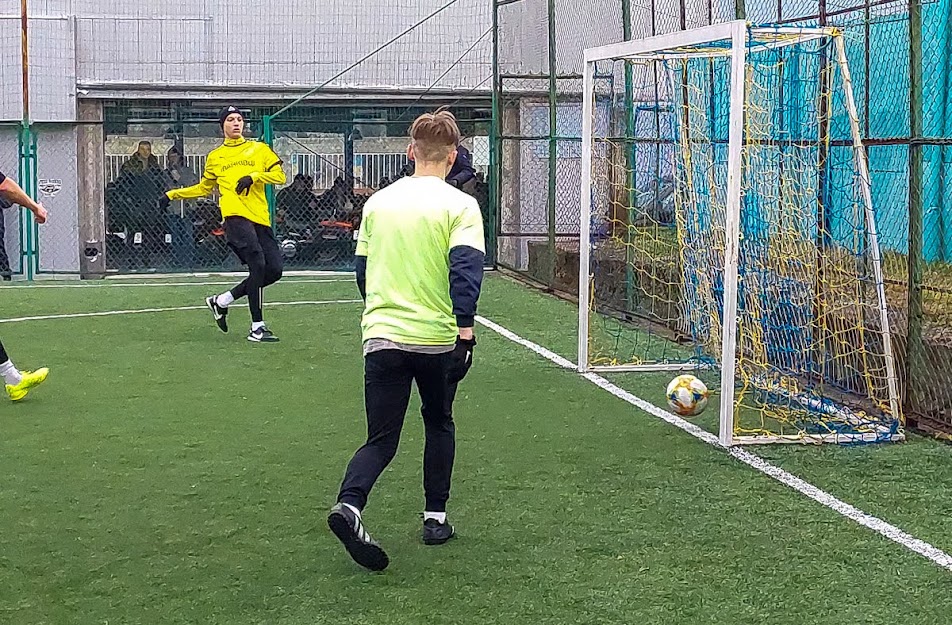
{"x":434,"y":136}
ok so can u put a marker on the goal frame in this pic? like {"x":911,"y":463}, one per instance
{"x":654,"y":48}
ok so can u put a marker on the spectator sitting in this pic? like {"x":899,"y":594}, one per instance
{"x":335,"y":202}
{"x":297,"y":201}
{"x":142,"y":161}
{"x":178,"y":174}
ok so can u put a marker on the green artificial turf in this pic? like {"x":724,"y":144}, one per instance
{"x":167,"y":473}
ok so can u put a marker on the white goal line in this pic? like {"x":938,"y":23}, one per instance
{"x":893,"y":533}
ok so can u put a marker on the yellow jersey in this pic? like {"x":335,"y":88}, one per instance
{"x":229,"y":163}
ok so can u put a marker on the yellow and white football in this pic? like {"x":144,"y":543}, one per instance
{"x":687,"y":395}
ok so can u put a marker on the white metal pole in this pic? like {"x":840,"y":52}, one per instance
{"x":862,"y":164}
{"x":731,"y":252}
{"x":584,"y":242}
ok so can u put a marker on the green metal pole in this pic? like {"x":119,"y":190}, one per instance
{"x":495,"y":147}
{"x":268,"y":136}
{"x":630,"y":161}
{"x":915,"y":358}
{"x":553,"y":143}
{"x":25,"y":175}
{"x":33,"y":189}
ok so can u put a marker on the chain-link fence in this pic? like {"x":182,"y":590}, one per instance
{"x":56,"y":185}
{"x":539,"y":106}
{"x":38,"y":145}
{"x":901,"y":64}
{"x":106,"y":108}
{"x":42,"y":160}
{"x":11,"y":243}
{"x":148,"y":149}
{"x":12,"y":239}
{"x":334,"y":159}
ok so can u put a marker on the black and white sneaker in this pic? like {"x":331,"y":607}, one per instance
{"x":219,"y":312}
{"x":436,"y":533}
{"x":262,"y":335}
{"x":349,"y":529}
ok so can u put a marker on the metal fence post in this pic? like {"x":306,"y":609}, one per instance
{"x":631,"y":159}
{"x":27,"y":178}
{"x":915,"y":356}
{"x":268,"y":136}
{"x":553,"y":144}
{"x":495,"y":149}
{"x":27,"y":149}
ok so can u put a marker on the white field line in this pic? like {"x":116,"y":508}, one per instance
{"x":288,"y":273}
{"x":879,"y":526}
{"x":140,"y":311}
{"x":107,"y":284}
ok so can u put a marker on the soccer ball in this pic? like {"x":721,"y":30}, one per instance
{"x":687,"y":395}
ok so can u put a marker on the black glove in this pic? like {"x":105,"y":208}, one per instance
{"x":244,"y":185}
{"x":164,"y":202}
{"x":461,"y":359}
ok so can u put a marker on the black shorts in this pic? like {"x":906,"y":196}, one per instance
{"x":247,"y":238}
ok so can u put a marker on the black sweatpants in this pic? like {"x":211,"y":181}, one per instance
{"x":257,"y":247}
{"x":3,"y":354}
{"x":388,"y":376}
{"x":4,"y":259}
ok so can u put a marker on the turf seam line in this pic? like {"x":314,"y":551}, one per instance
{"x":139,"y":311}
{"x":893,"y":533}
{"x":104,"y":285}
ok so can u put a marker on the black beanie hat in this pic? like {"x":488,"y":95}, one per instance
{"x":225,"y":112}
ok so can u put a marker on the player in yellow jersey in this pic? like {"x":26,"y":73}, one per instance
{"x":240,"y":169}
{"x":18,"y":383}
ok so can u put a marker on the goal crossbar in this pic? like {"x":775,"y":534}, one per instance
{"x":679,"y":44}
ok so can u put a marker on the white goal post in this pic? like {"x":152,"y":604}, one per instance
{"x":765,"y":266}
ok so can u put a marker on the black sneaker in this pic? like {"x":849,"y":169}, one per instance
{"x":349,"y":529}
{"x":436,"y":533}
{"x":219,"y":312}
{"x":262,"y":335}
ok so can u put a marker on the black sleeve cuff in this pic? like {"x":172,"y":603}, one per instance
{"x":465,"y":321}
{"x":360,"y":271}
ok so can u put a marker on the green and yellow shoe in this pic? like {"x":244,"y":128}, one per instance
{"x":30,"y":379}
